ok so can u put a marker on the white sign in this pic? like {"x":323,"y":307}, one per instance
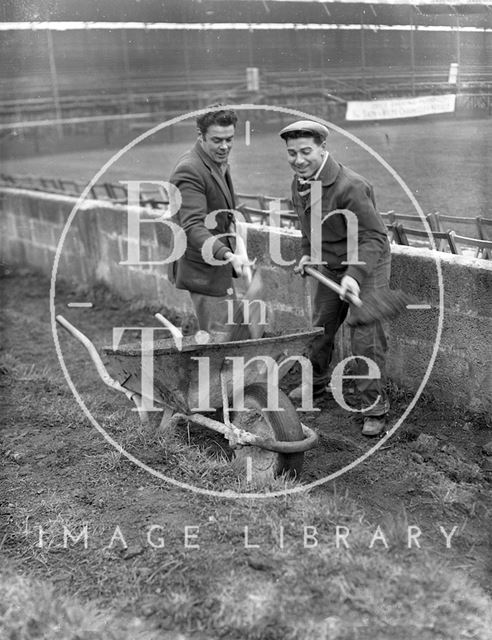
{"x":400,"y":107}
{"x":453,"y":73}
{"x":253,"y":78}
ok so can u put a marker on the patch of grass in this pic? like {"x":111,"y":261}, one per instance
{"x":326,"y":510}
{"x":24,"y":372}
{"x":242,"y":484}
{"x":21,"y":371}
{"x":327,"y":591}
{"x":30,"y":609}
{"x":40,"y":528}
{"x":447,"y":492}
{"x":195,"y":464}
{"x":110,"y":460}
{"x":366,"y":594}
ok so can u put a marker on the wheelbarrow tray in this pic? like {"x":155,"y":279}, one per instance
{"x":173,"y":375}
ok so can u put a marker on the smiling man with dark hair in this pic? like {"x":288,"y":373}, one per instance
{"x":344,"y":194}
{"x":222,"y":118}
{"x":204,"y":181}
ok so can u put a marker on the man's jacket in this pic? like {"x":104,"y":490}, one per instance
{"x":343,"y":189}
{"x":203,"y":189}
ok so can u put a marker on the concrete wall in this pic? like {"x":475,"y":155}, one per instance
{"x":456,"y":339}
{"x":94,"y":245}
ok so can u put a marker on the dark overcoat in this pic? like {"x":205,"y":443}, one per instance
{"x":204,"y":189}
{"x":344,"y":189}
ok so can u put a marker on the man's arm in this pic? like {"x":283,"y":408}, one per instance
{"x":193,"y":210}
{"x":372,"y":236}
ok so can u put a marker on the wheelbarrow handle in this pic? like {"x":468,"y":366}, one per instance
{"x":175,"y":332}
{"x":331,"y":284}
{"x":96,"y":359}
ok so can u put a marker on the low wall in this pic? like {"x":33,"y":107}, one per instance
{"x":453,"y":340}
{"x":94,"y":245}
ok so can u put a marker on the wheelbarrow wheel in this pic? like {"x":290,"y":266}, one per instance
{"x":284,"y":425}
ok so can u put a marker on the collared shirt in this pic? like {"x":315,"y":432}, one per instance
{"x":304,"y":185}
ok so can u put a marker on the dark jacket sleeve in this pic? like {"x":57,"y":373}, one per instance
{"x":372,"y":237}
{"x":194,"y":208}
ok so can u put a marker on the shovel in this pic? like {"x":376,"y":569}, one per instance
{"x":253,"y":299}
{"x":381,"y":304}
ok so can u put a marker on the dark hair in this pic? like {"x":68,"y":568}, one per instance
{"x":222,"y":117}
{"x":300,"y":133}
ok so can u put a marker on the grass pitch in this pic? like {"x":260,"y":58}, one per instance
{"x":445,"y":163}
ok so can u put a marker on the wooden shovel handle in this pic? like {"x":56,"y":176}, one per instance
{"x":248,"y":275}
{"x":331,"y":284}
{"x":241,"y":251}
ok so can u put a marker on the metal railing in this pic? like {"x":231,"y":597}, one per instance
{"x":133,"y":94}
{"x":404,"y":229}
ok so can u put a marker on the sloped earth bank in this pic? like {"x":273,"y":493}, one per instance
{"x":158,"y":561}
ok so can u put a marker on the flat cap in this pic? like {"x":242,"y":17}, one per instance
{"x":309,"y":126}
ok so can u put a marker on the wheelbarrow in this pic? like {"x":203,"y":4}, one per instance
{"x":196,"y":379}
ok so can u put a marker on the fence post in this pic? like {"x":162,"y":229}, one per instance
{"x":54,"y":83}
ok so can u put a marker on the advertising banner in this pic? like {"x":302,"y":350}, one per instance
{"x":400,"y":107}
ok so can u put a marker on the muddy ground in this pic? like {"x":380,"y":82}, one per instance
{"x":198,"y":573}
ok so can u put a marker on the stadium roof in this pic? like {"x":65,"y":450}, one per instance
{"x":181,"y":12}
{"x":479,"y":4}
{"x":431,"y":7}
{"x":424,"y":6}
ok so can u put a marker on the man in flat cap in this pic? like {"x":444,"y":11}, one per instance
{"x":351,"y":197}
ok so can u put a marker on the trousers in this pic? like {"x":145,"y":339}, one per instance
{"x":211,"y":311}
{"x":369,"y":341}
